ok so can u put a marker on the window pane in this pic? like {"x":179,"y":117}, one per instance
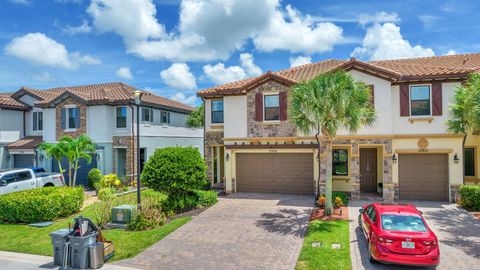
{"x":420,"y":107}
{"x":420,"y":92}
{"x":217,"y":105}
{"x":271,"y":101}
{"x":217,"y":117}
{"x":469,"y":159}
{"x":23,"y":176}
{"x":340,"y":162}
{"x":71,"y":117}
{"x":403,"y":223}
{"x":9,"y":178}
{"x":121,"y":117}
{"x":40,"y":120}
{"x":272,"y":113}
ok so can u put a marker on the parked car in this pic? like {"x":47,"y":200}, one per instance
{"x":398,"y":234}
{"x":13,"y":180}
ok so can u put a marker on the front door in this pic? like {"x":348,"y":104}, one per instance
{"x":368,"y":170}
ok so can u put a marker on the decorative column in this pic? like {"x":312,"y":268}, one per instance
{"x":390,"y":189}
{"x":355,"y":171}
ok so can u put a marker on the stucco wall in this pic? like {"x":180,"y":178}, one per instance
{"x":152,"y":143}
{"x":11,"y":120}
{"x":99,"y":123}
{"x":49,"y":125}
{"x":235,"y":108}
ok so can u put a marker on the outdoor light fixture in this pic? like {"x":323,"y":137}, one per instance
{"x":227,"y":157}
{"x":456,"y":159}
{"x":137,"y":95}
{"x":8,"y":157}
{"x":394,"y":158}
{"x":41,"y":157}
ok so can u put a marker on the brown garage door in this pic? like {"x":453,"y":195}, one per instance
{"x":277,"y":173}
{"x":423,"y":177}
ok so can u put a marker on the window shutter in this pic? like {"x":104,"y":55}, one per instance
{"x":64,"y":118}
{"x":404,"y":100}
{"x":35,"y":121}
{"x":282,"y":98}
{"x":436,"y":98}
{"x":258,"y":107}
{"x":151,"y":115}
{"x":372,"y":95}
{"x":77,"y":118}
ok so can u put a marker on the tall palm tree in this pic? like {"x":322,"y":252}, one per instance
{"x":56,"y":151}
{"x":465,"y":109}
{"x":83,"y":148}
{"x":325,"y":104}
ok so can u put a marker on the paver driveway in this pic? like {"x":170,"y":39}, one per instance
{"x":242,"y":231}
{"x":458,"y":233}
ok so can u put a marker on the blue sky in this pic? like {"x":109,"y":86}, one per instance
{"x":175,"y":47}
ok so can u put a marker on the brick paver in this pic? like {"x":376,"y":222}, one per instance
{"x":458,"y":233}
{"x":242,"y":231}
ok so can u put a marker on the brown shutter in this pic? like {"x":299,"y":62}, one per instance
{"x":258,"y":107}
{"x":282,"y":98}
{"x":436,"y":98}
{"x":372,"y":95}
{"x":404,"y":100}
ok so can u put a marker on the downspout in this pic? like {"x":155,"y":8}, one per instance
{"x":24,"y":124}
{"x":133,"y":142}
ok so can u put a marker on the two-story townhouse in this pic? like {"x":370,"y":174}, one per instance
{"x":107,"y":114}
{"x":12,"y":113}
{"x":250,"y":146}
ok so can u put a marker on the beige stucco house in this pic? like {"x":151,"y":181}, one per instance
{"x":250,"y":146}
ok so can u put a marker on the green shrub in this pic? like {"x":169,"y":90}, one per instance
{"x":206,"y":197}
{"x":106,"y":194}
{"x":341,"y":195}
{"x":110,"y":181}
{"x":180,"y":202}
{"x":470,"y":197}
{"x":175,"y":170}
{"x":149,"y":217}
{"x":94,"y":176}
{"x":40,"y":204}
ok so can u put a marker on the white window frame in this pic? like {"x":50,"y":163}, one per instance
{"x":150,"y":114}
{"x":168,"y":117}
{"x":67,"y":118}
{"x":211,"y":111}
{"x":410,"y":99}
{"x":37,"y":112}
{"x":263,"y":104}
{"x":126,"y":118}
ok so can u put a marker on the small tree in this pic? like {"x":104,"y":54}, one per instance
{"x":175,"y":170}
{"x":465,"y":109}
{"x":325,"y":104}
{"x":196,"y":118}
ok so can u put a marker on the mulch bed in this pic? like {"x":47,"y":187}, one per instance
{"x":338,"y":214}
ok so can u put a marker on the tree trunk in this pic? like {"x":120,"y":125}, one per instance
{"x":70,"y":180}
{"x":75,"y":169}
{"x":317,"y":137}
{"x":328,"y":188}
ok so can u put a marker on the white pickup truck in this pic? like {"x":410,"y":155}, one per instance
{"x":12,"y":180}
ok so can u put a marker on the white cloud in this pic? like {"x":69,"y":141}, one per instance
{"x":300,"y":60}
{"x":213,"y":29}
{"x":385,"y":41}
{"x":180,"y":97}
{"x":451,"y":52}
{"x":38,"y":49}
{"x":379,"y":17}
{"x":251,"y":69}
{"x":43,"y":77}
{"x":178,"y":76}
{"x":124,"y":73}
{"x":220,"y":74}
{"x":22,"y":2}
{"x":83,"y":28}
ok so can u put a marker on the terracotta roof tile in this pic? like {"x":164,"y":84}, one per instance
{"x":29,"y":142}
{"x":402,"y":69}
{"x":8,"y":102}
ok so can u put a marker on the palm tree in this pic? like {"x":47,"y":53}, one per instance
{"x":56,"y":151}
{"x":465,"y":109}
{"x":325,"y":104}
{"x":82,"y":147}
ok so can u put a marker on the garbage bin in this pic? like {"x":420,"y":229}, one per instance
{"x":95,"y":252}
{"x":59,"y":240}
{"x":79,"y":249}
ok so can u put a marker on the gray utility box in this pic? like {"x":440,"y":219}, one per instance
{"x":123,"y":214}
{"x":95,"y":252}
{"x":59,"y":239}
{"x":79,"y":250}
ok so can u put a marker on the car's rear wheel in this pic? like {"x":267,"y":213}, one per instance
{"x":370,"y":257}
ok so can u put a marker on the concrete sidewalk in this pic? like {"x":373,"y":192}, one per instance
{"x":21,"y":261}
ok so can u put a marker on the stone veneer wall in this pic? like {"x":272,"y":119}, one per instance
{"x":129,"y":142}
{"x":60,"y":132}
{"x":389,"y":192}
{"x":454,"y":193}
{"x":211,"y":138}
{"x":263,"y":129}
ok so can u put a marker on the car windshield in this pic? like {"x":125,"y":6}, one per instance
{"x":403,"y":223}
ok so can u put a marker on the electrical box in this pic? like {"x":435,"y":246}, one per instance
{"x":123,"y":214}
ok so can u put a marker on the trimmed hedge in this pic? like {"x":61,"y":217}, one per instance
{"x":40,"y":204}
{"x":470,"y":197}
{"x":206,"y":197}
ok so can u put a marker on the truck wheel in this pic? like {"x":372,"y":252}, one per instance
{"x":48,"y":185}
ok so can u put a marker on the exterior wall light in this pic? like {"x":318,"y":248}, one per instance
{"x":456,"y":159}
{"x":394,"y":158}
{"x":41,"y":157}
{"x":227,"y":157}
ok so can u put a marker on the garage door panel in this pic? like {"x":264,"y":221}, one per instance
{"x":279,"y":173}
{"x":423,"y":177}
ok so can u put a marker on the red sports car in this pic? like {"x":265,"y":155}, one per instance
{"x":398,"y":234}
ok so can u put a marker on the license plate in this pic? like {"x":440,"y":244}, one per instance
{"x":408,"y":245}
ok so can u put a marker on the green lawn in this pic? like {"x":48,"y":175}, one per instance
{"x":324,"y":257}
{"x":26,"y":239}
